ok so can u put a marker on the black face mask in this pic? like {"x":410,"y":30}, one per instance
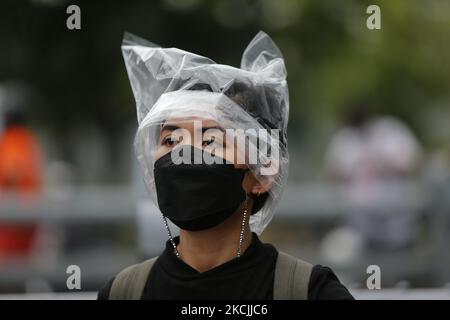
{"x":197,"y":196}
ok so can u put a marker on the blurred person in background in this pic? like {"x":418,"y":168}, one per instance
{"x":371,"y":156}
{"x":21,"y":177}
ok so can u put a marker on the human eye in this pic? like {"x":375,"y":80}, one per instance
{"x":169,"y":141}
{"x":212,"y":137}
{"x":208,"y":141}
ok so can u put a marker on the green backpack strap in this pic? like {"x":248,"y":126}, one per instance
{"x":291,"y":278}
{"x":129,"y":283}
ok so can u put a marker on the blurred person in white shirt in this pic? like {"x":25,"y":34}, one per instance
{"x":371,"y":156}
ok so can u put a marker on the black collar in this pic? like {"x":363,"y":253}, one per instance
{"x":177,"y":267}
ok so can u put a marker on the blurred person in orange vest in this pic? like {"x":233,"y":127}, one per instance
{"x":20,"y":174}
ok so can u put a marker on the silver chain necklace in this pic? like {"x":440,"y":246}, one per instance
{"x":170,"y":237}
{"x":241,"y":234}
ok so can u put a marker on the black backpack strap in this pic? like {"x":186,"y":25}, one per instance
{"x":129,"y":283}
{"x":291,"y":278}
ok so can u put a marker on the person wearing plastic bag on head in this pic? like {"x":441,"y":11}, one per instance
{"x":212,"y":144}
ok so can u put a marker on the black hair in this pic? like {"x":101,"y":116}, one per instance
{"x":261,"y":101}
{"x":263,"y":104}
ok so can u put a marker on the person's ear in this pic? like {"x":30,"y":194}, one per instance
{"x":262,"y":184}
{"x":259,"y":191}
{"x":257,"y":185}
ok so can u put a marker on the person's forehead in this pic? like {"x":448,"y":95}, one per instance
{"x":182,"y":122}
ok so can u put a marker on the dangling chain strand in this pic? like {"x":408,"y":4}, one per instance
{"x":170,"y":237}
{"x":241,"y":234}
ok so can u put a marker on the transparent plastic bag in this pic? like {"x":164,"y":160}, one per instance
{"x":173,"y":85}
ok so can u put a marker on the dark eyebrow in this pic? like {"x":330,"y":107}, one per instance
{"x":213,"y":127}
{"x":169,"y":127}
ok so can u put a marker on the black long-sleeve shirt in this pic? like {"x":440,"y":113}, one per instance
{"x":249,"y":277}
